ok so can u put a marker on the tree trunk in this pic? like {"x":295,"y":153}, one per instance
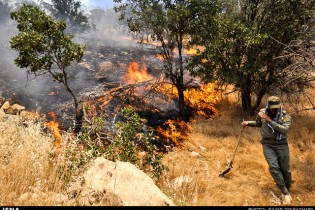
{"x":181,"y":104}
{"x":246,"y":97}
{"x":180,"y":80}
{"x":78,"y":112}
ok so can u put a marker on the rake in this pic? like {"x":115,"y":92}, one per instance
{"x":231,"y":162}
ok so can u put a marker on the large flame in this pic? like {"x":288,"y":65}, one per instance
{"x":53,"y":126}
{"x":136,"y":73}
{"x":177,"y":131}
{"x":203,"y":100}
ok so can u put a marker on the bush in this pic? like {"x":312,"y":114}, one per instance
{"x":127,"y":143}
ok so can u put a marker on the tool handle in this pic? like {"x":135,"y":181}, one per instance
{"x":238,"y":141}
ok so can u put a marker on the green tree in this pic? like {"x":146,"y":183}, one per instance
{"x":249,"y":47}
{"x":169,"y":23}
{"x":71,"y":11}
{"x":44,"y":48}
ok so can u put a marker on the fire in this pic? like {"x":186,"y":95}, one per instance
{"x":136,"y":73}
{"x":177,"y":132}
{"x":191,"y":51}
{"x":53,"y":126}
{"x":161,"y":57}
{"x":203,"y":100}
{"x":204,"y":60}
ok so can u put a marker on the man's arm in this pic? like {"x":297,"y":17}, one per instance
{"x":256,"y":123}
{"x":281,"y":128}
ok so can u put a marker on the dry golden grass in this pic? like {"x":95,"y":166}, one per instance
{"x":29,"y":163}
{"x":248,"y":182}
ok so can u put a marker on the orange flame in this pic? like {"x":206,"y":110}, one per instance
{"x":177,"y":132}
{"x":160,"y":57}
{"x":53,"y":126}
{"x":203,"y":100}
{"x":191,"y":52}
{"x":136,"y":74}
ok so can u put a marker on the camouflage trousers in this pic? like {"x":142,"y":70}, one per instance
{"x":278,"y":159}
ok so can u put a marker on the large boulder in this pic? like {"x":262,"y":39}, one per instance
{"x":117,"y":184}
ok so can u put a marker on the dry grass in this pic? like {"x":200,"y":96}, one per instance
{"x":24,"y":159}
{"x":249,"y":182}
{"x":29,"y":164}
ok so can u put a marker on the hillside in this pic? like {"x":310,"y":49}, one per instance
{"x":29,"y":162}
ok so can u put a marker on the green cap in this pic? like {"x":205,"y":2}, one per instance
{"x":273,"y":102}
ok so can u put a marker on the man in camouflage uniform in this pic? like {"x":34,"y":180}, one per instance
{"x":275,"y":123}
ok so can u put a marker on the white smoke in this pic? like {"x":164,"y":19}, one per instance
{"x":35,"y":92}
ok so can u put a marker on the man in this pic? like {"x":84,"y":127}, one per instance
{"x":275,"y":123}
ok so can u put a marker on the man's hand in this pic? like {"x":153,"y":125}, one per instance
{"x":263,"y":115}
{"x":244,"y":123}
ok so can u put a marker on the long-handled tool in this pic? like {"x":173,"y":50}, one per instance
{"x":231,"y":162}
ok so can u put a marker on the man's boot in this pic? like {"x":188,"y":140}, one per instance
{"x":286,"y":199}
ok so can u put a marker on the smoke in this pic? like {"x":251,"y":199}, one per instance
{"x":109,"y":51}
{"x":41,"y":93}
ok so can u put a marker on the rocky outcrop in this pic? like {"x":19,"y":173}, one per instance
{"x":117,"y":184}
{"x":17,"y":109}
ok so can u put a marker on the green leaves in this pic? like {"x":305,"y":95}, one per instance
{"x":129,"y":142}
{"x":43,"y":47}
{"x":71,"y":11}
{"x":41,"y":43}
{"x":244,"y":41}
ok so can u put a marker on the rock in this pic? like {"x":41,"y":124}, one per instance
{"x":6,"y":106}
{"x":195,"y":154}
{"x":179,"y":181}
{"x":2,"y":114}
{"x":91,"y":197}
{"x":117,"y":183}
{"x":202,"y":148}
{"x":10,"y":111}
{"x":17,"y":108}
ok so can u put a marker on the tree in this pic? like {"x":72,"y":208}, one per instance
{"x":70,"y":11}
{"x":44,"y":48}
{"x":249,"y":47}
{"x":169,"y":23}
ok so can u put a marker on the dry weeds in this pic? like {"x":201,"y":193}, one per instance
{"x":248,"y":183}
{"x":28,"y":164}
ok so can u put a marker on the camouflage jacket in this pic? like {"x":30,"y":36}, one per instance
{"x":274,"y":132}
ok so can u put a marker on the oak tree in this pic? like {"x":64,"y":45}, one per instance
{"x":72,"y":12}
{"x":253,"y":47}
{"x":44,"y":48}
{"x":169,"y":22}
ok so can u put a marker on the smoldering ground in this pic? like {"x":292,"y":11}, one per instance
{"x":109,"y":50}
